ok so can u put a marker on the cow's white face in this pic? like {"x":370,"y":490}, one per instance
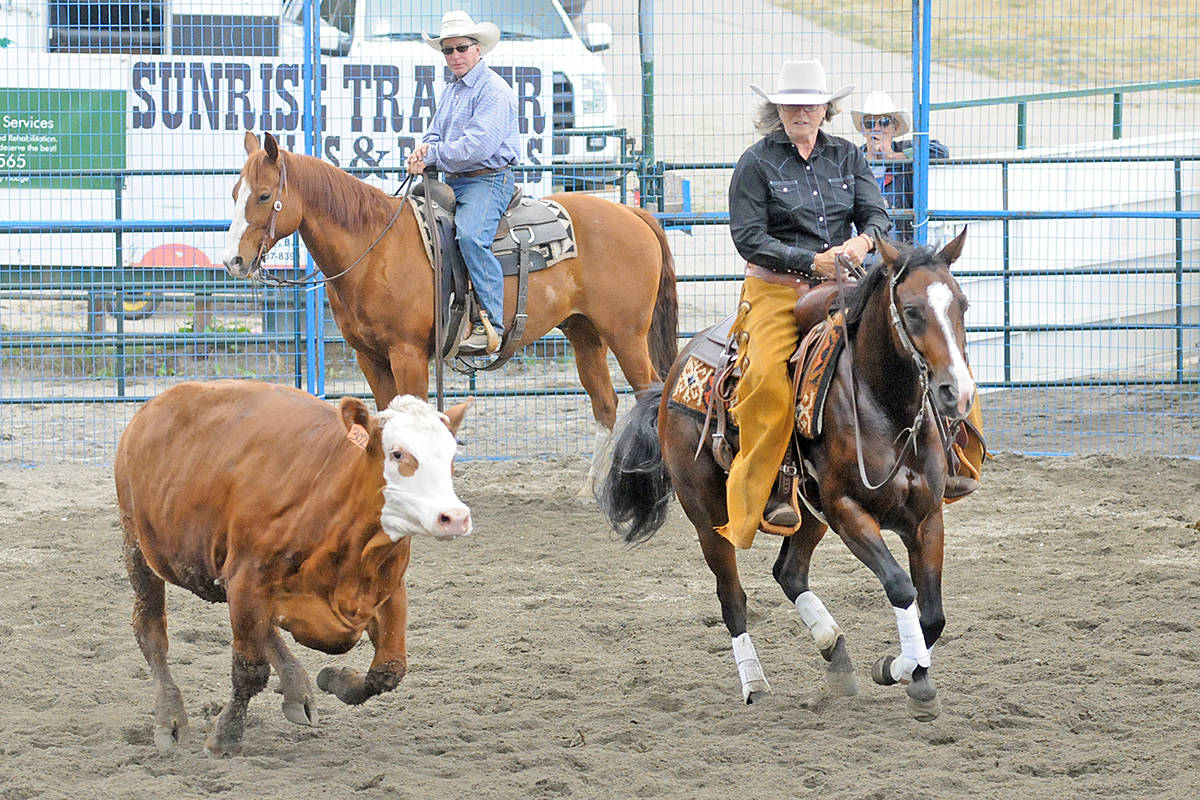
{"x":418,"y":455}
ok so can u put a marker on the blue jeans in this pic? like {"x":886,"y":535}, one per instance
{"x":480,"y":202}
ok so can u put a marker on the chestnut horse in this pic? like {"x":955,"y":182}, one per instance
{"x":877,"y":463}
{"x":618,"y":294}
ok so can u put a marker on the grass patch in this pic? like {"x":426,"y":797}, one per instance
{"x":1069,"y":42}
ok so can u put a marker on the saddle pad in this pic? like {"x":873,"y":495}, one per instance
{"x":694,"y":386}
{"x":553,"y":241}
{"x":821,"y":350}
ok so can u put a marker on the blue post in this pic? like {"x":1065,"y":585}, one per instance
{"x":314,"y":304}
{"x":923,"y":16}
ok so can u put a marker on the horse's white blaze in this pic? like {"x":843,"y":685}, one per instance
{"x":424,"y":501}
{"x":749,"y":669}
{"x":818,"y":620}
{"x":940,"y":298}
{"x":237,"y":227}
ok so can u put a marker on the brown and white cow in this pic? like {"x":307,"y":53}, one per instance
{"x":297,"y":514}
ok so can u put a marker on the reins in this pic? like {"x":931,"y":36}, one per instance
{"x":844,"y":264}
{"x":306,"y":280}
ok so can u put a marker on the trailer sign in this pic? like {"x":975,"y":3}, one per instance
{"x":60,"y":130}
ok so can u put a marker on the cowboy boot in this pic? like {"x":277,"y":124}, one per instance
{"x":959,"y":486}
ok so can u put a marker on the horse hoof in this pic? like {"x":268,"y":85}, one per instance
{"x":169,"y":737}
{"x":755,"y":692}
{"x":222,"y":748}
{"x":300,"y":713}
{"x":843,"y":684}
{"x":881,"y":673}
{"x":924,"y":705}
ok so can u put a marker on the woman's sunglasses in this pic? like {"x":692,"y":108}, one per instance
{"x":462,"y":48}
{"x":870,"y":123}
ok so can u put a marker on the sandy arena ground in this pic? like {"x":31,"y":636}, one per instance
{"x":548,"y":660}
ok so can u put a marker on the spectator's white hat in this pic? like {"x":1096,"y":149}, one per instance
{"x":879,"y":104}
{"x":802,"y":83}
{"x":459,"y":23}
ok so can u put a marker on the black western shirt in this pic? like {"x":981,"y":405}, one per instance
{"x":784,"y":209}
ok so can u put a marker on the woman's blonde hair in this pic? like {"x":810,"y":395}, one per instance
{"x":767,"y":121}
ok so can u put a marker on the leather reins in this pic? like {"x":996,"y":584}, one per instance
{"x":844,"y":265}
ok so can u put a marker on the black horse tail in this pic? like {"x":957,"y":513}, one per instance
{"x":635,"y":494}
{"x":664,"y":322}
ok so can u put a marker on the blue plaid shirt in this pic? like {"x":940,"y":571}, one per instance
{"x":475,"y":124}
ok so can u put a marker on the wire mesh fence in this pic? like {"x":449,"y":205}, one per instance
{"x":1064,"y":139}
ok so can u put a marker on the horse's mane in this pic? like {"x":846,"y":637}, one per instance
{"x":350,"y":202}
{"x":860,"y":296}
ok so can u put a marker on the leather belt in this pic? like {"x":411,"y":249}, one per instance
{"x":793,"y":279}
{"x":476,"y":173}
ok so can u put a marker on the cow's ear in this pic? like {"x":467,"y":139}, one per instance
{"x":361,"y":430}
{"x":455,"y":414}
{"x":250,"y":142}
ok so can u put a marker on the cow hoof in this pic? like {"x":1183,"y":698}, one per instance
{"x":300,"y":713}
{"x":881,"y":672}
{"x":924,"y":705}
{"x":222,"y":748}
{"x":168,"y":737}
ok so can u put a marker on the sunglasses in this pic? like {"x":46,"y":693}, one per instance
{"x":462,"y":48}
{"x":870,"y":123}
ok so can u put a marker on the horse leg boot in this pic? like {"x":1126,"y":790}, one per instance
{"x":791,"y":573}
{"x":722,"y":560}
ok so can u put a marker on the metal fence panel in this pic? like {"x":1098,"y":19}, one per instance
{"x":1072,"y":157}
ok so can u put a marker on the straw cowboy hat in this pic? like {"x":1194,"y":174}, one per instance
{"x":459,"y":23}
{"x":802,"y":83}
{"x":879,"y":104}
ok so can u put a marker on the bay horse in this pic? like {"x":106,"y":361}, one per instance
{"x":878,"y":463}
{"x":618,"y":294}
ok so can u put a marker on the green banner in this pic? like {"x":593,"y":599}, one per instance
{"x":61,"y":130}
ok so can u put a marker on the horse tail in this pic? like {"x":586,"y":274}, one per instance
{"x":664,"y":323}
{"x":633,"y":496}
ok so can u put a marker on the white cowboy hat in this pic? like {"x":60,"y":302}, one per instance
{"x":879,"y":104}
{"x":459,"y":23}
{"x":802,"y":83}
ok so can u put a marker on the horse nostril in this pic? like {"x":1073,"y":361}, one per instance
{"x":237,"y":261}
{"x":948,"y":394}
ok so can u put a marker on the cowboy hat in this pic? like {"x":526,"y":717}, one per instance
{"x":459,"y":24}
{"x":879,"y":104}
{"x":802,"y":83}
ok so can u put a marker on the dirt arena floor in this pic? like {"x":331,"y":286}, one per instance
{"x":548,"y":660}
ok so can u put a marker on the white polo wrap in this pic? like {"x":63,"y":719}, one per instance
{"x":913,"y":652}
{"x":749,"y":670}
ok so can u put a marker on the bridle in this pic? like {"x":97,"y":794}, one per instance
{"x":268,"y":238}
{"x":909,"y":434}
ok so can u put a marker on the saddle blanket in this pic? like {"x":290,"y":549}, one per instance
{"x":817,"y":353}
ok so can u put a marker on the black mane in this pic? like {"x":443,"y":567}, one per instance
{"x":910,"y":258}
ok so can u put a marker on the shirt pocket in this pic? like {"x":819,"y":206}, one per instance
{"x":785,"y":193}
{"x":841,"y":192}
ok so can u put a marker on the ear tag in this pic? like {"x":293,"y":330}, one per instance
{"x":358,"y":436}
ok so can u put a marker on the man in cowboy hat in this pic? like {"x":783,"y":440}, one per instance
{"x":798,"y":198}
{"x":473,"y":139}
{"x":882,"y":123}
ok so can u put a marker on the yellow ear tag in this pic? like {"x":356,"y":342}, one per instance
{"x":358,"y":436}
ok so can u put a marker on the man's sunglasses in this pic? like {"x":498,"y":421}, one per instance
{"x":870,"y":123}
{"x":462,"y":48}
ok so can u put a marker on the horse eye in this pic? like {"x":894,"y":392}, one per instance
{"x":262,"y":198}
{"x":914,"y":313}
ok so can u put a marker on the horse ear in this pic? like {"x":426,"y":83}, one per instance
{"x":887,"y":251}
{"x":271,"y":146}
{"x":250,"y":142}
{"x":455,"y":414}
{"x":952,"y":251}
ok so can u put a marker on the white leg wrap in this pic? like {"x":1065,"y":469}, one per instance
{"x":818,"y":620}
{"x":913,"y":652}
{"x":749,"y":670}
